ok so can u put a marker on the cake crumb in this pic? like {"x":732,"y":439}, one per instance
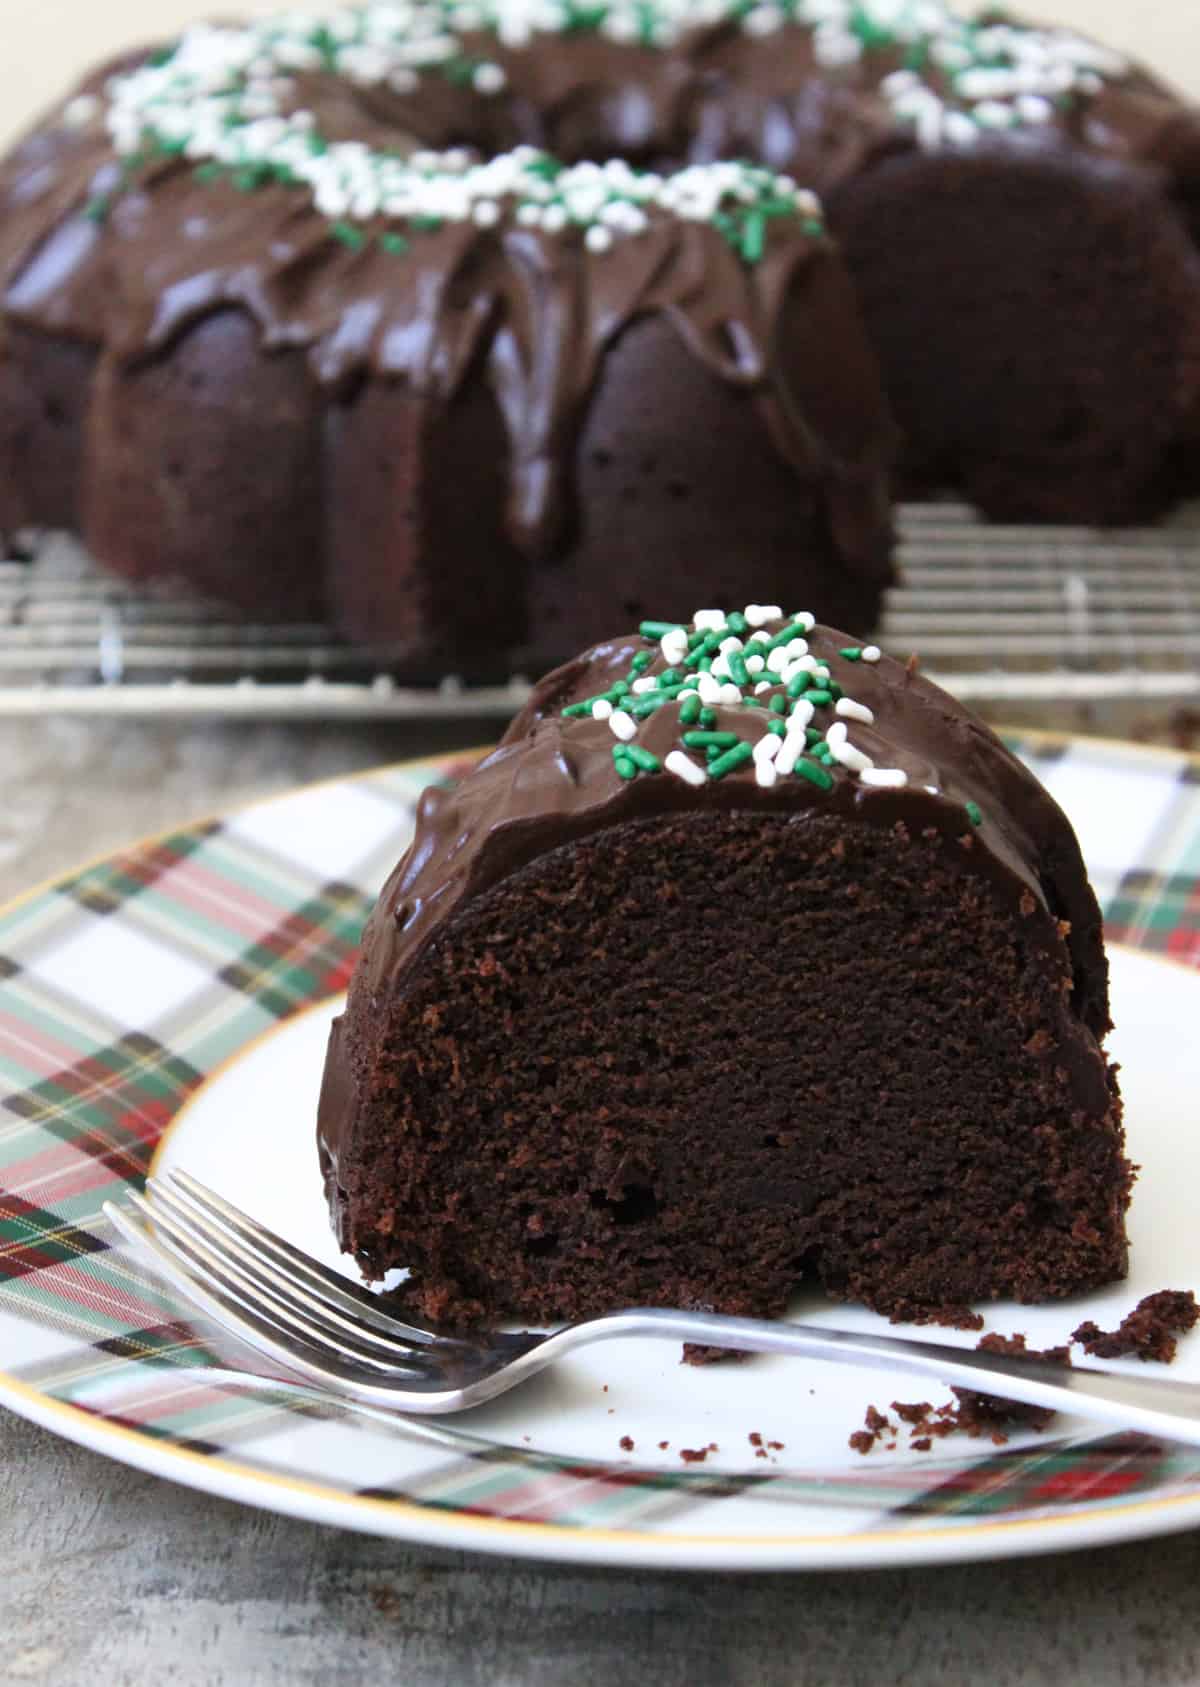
{"x":877,"y":1425}
{"x":693,"y":1455}
{"x":775,"y":1446}
{"x":1149,"y":1331}
{"x":754,"y":1438}
{"x":663,"y":1445}
{"x":1017,"y":1346}
{"x":626,"y":1443}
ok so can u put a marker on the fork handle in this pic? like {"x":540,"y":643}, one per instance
{"x":1152,"y":1405}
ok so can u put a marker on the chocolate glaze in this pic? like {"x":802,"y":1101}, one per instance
{"x":174,"y":250}
{"x":552,"y":782}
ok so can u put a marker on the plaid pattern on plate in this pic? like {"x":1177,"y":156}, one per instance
{"x":126,"y":985}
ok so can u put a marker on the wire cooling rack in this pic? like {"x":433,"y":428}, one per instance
{"x":1063,"y":625}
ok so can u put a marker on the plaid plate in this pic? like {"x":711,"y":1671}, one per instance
{"x":124,"y":987}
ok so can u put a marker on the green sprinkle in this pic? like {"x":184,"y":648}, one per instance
{"x":689,"y":709}
{"x":702,"y":740}
{"x":779,"y":704}
{"x":706,"y":663}
{"x":619,"y":688}
{"x":646,"y":705}
{"x":708,"y":717}
{"x":425,"y":224}
{"x":813,"y":736}
{"x":741,"y":752}
{"x":643,"y":758}
{"x":642,"y":660}
{"x":753,"y":702}
{"x":394,"y":245}
{"x":815,"y":775}
{"x":207,"y":172}
{"x":786,"y":635}
{"x":974,"y":813}
{"x":575,"y":710}
{"x":624,"y":762}
{"x":754,"y":231}
{"x":852,"y":653}
{"x":96,"y":210}
{"x":819,"y":697}
{"x":348,"y":235}
{"x":659,"y":629}
{"x":799,"y":683}
{"x":738,"y":670}
{"x":835,"y":689}
{"x":777,"y":726}
{"x":738,"y":624}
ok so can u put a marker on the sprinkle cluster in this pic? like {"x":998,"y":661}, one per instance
{"x":231,"y":100}
{"x":757,"y":659}
{"x":225,"y":98}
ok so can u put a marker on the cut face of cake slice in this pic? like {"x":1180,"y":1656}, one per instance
{"x":749,"y":960}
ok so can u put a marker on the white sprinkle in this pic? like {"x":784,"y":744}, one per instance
{"x":720,"y":668}
{"x":890,"y":777}
{"x":765,"y":772}
{"x":802,"y":713}
{"x":647,"y":682}
{"x":758,"y":614}
{"x":763,"y":685}
{"x":488,"y":79}
{"x":673,"y":646}
{"x":870,"y":653}
{"x":598,"y":238}
{"x":623,"y":725}
{"x":708,"y":620}
{"x":709,"y":689}
{"x":759,"y":638}
{"x":601,"y":709}
{"x":683,"y":767}
{"x":767,"y":747}
{"x":485,"y":213}
{"x":805,"y":621}
{"x":728,"y":644}
{"x":854,"y":711}
{"x":755,"y":664}
{"x":731,"y":693}
{"x":844,"y":751}
{"x":79,"y":112}
{"x":791,"y":748}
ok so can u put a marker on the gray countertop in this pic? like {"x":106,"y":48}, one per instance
{"x":114,"y":1578}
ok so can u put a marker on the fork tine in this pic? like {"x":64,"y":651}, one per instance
{"x":209,"y":1292}
{"x":262,"y":1297}
{"x":327,"y":1285}
{"x":272,"y":1280}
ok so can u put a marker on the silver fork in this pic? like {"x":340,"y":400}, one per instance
{"x":322,"y":1327}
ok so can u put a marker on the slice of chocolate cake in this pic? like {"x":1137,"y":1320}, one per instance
{"x":749,"y":959}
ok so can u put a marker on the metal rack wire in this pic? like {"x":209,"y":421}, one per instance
{"x":1019,"y":620}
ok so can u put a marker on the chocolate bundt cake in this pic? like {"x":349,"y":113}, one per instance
{"x":334,"y":314}
{"x":749,"y":959}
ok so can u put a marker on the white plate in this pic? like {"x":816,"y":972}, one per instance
{"x":151,"y":1011}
